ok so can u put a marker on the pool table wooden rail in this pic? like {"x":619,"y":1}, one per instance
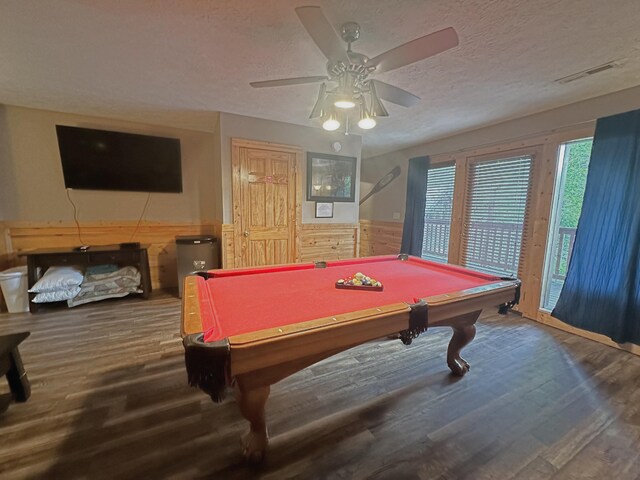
{"x":273,"y":346}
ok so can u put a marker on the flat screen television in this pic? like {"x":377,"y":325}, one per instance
{"x":105,"y":160}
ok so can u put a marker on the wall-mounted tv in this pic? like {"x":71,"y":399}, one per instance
{"x":105,"y":160}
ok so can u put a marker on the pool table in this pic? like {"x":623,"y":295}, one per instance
{"x":249,"y":328}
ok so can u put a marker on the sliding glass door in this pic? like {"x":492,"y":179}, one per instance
{"x":571,"y":179}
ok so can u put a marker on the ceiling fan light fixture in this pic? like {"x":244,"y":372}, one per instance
{"x":377,"y":108}
{"x":318,"y":108}
{"x":331,"y":123}
{"x":351,"y":71}
{"x":344,"y":101}
{"x":366,"y":122}
{"x":345,"y":104}
{"x":344,"y":95}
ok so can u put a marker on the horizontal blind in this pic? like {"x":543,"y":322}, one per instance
{"x":437,"y":215}
{"x":495,"y":214}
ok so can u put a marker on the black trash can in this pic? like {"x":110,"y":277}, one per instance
{"x":195,"y":252}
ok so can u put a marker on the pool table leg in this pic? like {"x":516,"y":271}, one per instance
{"x":462,"y":336}
{"x":252,"y":402}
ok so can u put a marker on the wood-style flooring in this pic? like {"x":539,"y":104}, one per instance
{"x":110,"y":400}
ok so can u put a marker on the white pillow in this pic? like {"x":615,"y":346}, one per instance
{"x":57,"y":296}
{"x":58,"y":278}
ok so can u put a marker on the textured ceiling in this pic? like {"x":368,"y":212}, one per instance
{"x":177,"y":61}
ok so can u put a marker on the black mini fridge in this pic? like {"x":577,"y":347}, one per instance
{"x":194,"y":253}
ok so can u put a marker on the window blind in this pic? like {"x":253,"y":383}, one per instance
{"x":495,"y":214}
{"x":437,"y":215}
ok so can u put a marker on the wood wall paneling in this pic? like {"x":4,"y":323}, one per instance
{"x":159,"y":236}
{"x":328,"y":241}
{"x":540,"y":208}
{"x":457,"y":211}
{"x":227,"y":245}
{"x":5,"y":261}
{"x":380,"y":238}
{"x":317,"y":242}
{"x":4,"y":246}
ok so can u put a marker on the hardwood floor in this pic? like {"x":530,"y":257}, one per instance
{"x":110,"y":400}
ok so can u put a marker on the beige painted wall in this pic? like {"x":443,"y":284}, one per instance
{"x":6,"y":167}
{"x":4,"y":248}
{"x":217,"y":183}
{"x":382,"y":206}
{"x":4,"y":260}
{"x":32,"y":184}
{"x":309,"y":139}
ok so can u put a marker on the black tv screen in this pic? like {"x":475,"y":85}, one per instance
{"x":104,"y":160}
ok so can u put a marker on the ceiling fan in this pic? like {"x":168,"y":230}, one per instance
{"x":351,"y":70}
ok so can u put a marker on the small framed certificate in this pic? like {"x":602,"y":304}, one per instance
{"x":324,"y":209}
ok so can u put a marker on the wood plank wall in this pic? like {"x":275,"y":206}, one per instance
{"x":159,"y":235}
{"x":328,"y":241}
{"x":5,"y":261}
{"x":318,"y":241}
{"x":228,"y":245}
{"x":380,"y":238}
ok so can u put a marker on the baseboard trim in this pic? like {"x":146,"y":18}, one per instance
{"x":546,"y":319}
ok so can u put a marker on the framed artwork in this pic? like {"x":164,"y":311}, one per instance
{"x":331,"y":178}
{"x":324,"y":209}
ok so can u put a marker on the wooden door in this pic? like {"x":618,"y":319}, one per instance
{"x":264,"y":203}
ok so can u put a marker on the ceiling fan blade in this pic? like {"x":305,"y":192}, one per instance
{"x":415,"y":50}
{"x":395,"y":95}
{"x":323,"y":34}
{"x":283,"y":82}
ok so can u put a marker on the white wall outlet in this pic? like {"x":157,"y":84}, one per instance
{"x":396,"y":215}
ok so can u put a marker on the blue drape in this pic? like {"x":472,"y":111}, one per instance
{"x":413,"y":229}
{"x":602,"y":289}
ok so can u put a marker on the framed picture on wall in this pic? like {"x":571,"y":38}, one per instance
{"x":331,"y":178}
{"x":324,"y":209}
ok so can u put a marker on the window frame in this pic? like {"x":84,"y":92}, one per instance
{"x":456,"y":242}
{"x":554,"y":215}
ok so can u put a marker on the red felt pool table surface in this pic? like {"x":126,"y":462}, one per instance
{"x":247,"y":300}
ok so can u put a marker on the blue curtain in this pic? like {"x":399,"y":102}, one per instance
{"x":413,"y":229}
{"x":602,"y":289}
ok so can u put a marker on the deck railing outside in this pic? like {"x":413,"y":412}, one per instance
{"x":562,"y":254}
{"x":435,"y":244}
{"x":501,"y":243}
{"x":493,"y":247}
{"x":490,"y":246}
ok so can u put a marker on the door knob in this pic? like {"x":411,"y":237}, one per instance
{"x":246,"y":233}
